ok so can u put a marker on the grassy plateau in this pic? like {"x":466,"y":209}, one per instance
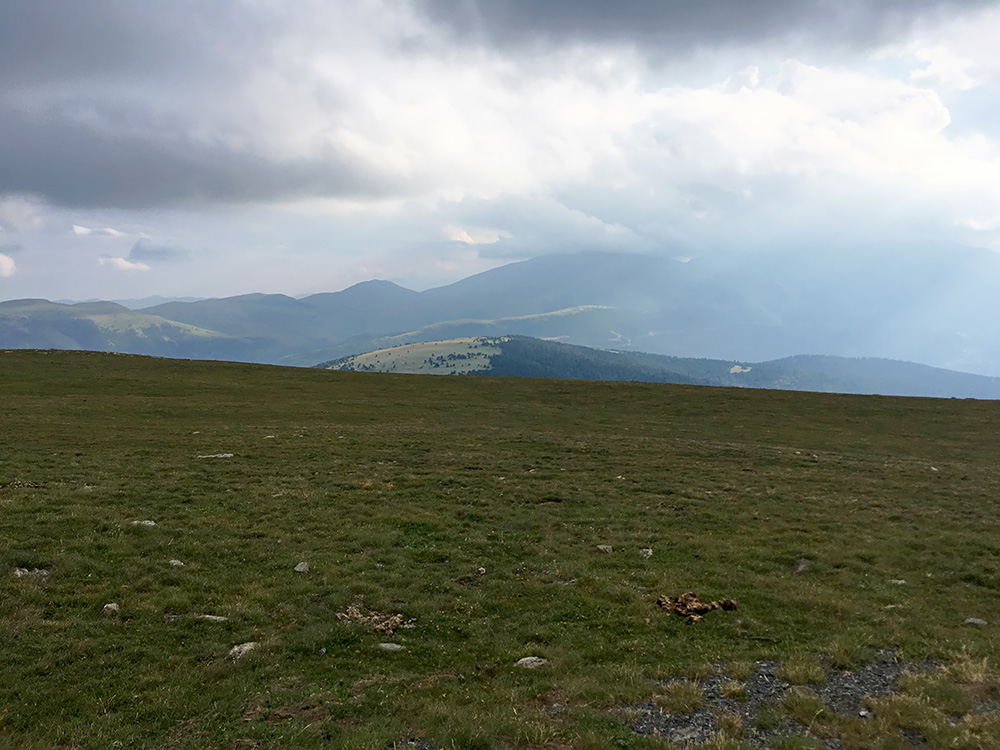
{"x":461,"y":519}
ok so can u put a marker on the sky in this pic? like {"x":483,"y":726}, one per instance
{"x":220,"y":147}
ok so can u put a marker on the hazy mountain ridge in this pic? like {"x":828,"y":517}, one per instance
{"x":107,"y":326}
{"x":518,"y":356}
{"x":912,"y":304}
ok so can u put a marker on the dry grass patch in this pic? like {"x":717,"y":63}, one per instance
{"x":802,"y":670}
{"x":740,"y":670}
{"x":736,"y":691}
{"x":682,"y":697}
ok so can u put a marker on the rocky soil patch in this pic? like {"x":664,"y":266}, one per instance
{"x":755,"y":708}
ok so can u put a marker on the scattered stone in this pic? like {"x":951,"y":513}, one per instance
{"x":897,"y":582}
{"x":531,"y":662}
{"x":976,"y":622}
{"x":690,"y":606}
{"x":110,"y":611}
{"x":213,"y":618}
{"x":801,"y":566}
{"x":177,"y":563}
{"x":390,"y":647}
{"x":607,"y":549}
{"x":322,"y":651}
{"x":39,"y":573}
{"x":302,"y":567}
{"x":481,"y":571}
{"x":646,"y":552}
{"x":147,"y":522}
{"x":217,"y":455}
{"x":238,"y":652}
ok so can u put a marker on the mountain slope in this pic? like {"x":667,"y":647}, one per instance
{"x":521,"y":356}
{"x":106,"y":326}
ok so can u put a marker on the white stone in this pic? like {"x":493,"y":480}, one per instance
{"x":390,"y":647}
{"x":177,"y":563}
{"x":646,"y":552}
{"x":302,"y":567}
{"x":976,"y":622}
{"x":39,"y":573}
{"x":607,"y":549}
{"x":531,"y":662}
{"x":147,"y":522}
{"x":238,"y":652}
{"x":110,"y":610}
{"x":213,"y":618}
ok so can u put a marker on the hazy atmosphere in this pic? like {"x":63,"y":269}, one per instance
{"x":211,"y":149}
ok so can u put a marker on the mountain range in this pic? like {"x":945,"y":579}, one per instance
{"x":933,"y":305}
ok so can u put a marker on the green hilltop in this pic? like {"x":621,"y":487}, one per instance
{"x":307,"y":558}
{"x":522,"y":356}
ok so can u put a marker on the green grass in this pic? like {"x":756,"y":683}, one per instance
{"x":397,"y":490}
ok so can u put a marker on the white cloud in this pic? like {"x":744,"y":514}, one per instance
{"x":7,"y":266}
{"x":81,"y":231}
{"x":476,"y":237}
{"x":121,"y":264}
{"x":21,"y":213}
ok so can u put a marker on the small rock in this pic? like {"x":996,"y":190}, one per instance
{"x":897,"y":582}
{"x":177,"y":563}
{"x":217,"y":455}
{"x":213,"y":618}
{"x":607,"y":549}
{"x":646,"y":552}
{"x":302,"y":567}
{"x":976,"y":622}
{"x":110,"y":610}
{"x":322,"y":651}
{"x":481,"y":571}
{"x":39,"y":573}
{"x":531,"y":662}
{"x":865,"y":714}
{"x":147,"y":522}
{"x":238,"y":652}
{"x":390,"y":647}
{"x":801,"y":566}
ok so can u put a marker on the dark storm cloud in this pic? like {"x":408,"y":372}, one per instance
{"x":100,"y":101}
{"x":72,"y":164}
{"x":682,"y":24}
{"x":52,"y":40}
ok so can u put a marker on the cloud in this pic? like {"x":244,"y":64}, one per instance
{"x":477,"y":237}
{"x":20,"y":212}
{"x":149,"y":249}
{"x":7,"y":266}
{"x":121,"y":264}
{"x":81,"y":231}
{"x":671,"y":28}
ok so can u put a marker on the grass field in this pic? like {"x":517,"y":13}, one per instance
{"x":473,"y":508}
